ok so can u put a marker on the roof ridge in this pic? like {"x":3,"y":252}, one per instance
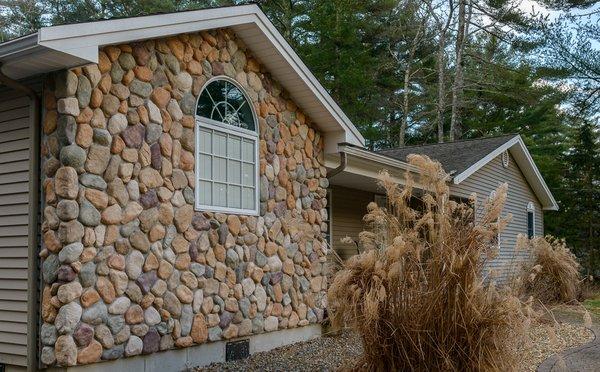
{"x":449,"y":143}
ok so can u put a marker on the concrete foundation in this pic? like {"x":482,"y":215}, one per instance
{"x":200,"y":355}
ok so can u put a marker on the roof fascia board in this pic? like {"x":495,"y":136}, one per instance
{"x":317,"y":89}
{"x":377,"y":159}
{"x":22,"y":45}
{"x":83,"y":40}
{"x":551,"y":205}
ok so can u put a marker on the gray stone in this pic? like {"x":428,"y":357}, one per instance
{"x":258,"y":324}
{"x":95,"y":314}
{"x":188,"y":104}
{"x":66,"y":129}
{"x":260,"y":259}
{"x":102,"y":137}
{"x":198,"y":269}
{"x":134,"y":346}
{"x":66,"y":274}
{"x":271,"y":323}
{"x":232,"y":258}
{"x":140,"y":88}
{"x":134,"y":263}
{"x":126,"y":61}
{"x":115,"y":323}
{"x":116,"y":73}
{"x":48,"y":334}
{"x":134,"y":135}
{"x":172,"y":63}
{"x":88,"y":214}
{"x":244,"y":305}
{"x":87,"y":274}
{"x":67,"y":318}
{"x":172,"y":304}
{"x":65,"y":84}
{"x":67,"y":210}
{"x":214,"y":333}
{"x":117,"y":123}
{"x":153,"y":132}
{"x":70,"y":253}
{"x":151,"y":316}
{"x":187,"y":315}
{"x":47,"y":356}
{"x":84,"y":91}
{"x":114,"y":353}
{"x":188,"y":195}
{"x":50,"y":268}
{"x":83,"y":335}
{"x":93,"y":181}
{"x":73,"y":156}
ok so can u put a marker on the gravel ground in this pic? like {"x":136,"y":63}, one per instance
{"x":333,"y":352}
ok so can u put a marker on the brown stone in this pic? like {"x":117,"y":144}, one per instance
{"x":89,"y":297}
{"x":165,"y":269}
{"x":180,"y":244}
{"x":98,"y":198}
{"x":184,"y":294}
{"x":112,"y":215}
{"x":161,"y":97}
{"x":184,"y":342}
{"x":183,"y":217}
{"x":106,"y":289}
{"x":139,"y":241}
{"x":199,"y":332}
{"x":96,"y":98}
{"x":234,"y":224}
{"x":51,"y":242}
{"x":97,"y":159}
{"x":177,"y":47}
{"x":143,"y":73}
{"x":84,"y":135}
{"x":104,"y":64}
{"x":65,"y":351}
{"x":90,"y":353}
{"x":150,"y":177}
{"x":134,"y":315}
{"x":50,"y":122}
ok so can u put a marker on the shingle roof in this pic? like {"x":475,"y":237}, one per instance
{"x":456,"y":156}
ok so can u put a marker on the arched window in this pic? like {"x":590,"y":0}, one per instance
{"x":226,"y":150}
{"x":530,"y":220}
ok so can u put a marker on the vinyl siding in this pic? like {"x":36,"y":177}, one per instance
{"x":483,"y":182}
{"x":15,"y":147}
{"x":348,"y":208}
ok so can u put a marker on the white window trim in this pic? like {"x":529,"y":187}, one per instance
{"x":531,"y":208}
{"x":202,"y":122}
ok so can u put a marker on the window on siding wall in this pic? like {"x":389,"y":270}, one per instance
{"x":226,"y":150}
{"x":530,"y":220}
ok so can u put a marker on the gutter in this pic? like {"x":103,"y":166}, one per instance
{"x":341,"y":167}
{"x":32,"y":242}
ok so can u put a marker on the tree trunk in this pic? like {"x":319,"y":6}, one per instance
{"x":404,"y":123}
{"x":441,"y":103}
{"x":458,"y":86}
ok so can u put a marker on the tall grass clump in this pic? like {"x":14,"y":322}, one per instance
{"x":417,"y":293}
{"x":553,"y":272}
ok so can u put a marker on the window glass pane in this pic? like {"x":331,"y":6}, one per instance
{"x":219,"y":194}
{"x":205,"y":141}
{"x":204,"y":165}
{"x":248,"y":174}
{"x":205,"y":192}
{"x":220,"y":144}
{"x":248,"y":198}
{"x":234,"y":172}
{"x":225,"y":102}
{"x":234,"y":197}
{"x":234,"y":147}
{"x":219,"y":169}
{"x":248,"y":151}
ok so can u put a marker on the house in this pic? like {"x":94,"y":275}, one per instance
{"x":165,"y":191}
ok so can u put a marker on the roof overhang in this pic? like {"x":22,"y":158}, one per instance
{"x":363,"y":168}
{"x":522,"y":157}
{"x":59,"y":47}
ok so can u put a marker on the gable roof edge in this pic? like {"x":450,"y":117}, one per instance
{"x":528,"y":167}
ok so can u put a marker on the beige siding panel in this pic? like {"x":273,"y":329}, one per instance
{"x":348,"y":208}
{"x":483,"y":182}
{"x":14,"y":209}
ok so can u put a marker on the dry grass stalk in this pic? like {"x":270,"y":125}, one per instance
{"x":416,"y":293}
{"x":553,"y":272}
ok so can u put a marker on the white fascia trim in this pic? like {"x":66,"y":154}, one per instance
{"x":377,"y":159}
{"x":83,"y":40}
{"x":506,"y":146}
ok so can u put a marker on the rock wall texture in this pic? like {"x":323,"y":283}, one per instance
{"x":128,"y":266}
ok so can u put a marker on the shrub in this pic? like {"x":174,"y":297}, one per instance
{"x":415,"y":294}
{"x":553,"y":273}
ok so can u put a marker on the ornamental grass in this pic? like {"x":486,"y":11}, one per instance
{"x":416,"y":294}
{"x":552,"y":275}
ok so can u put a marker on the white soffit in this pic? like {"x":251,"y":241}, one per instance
{"x":66,"y":46}
{"x":522,"y":157}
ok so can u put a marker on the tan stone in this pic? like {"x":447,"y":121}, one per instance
{"x":98,"y":198}
{"x":184,"y":342}
{"x":156,"y":232}
{"x":90,"y":353}
{"x":104,"y":64}
{"x":66,"y":184}
{"x":234,"y":224}
{"x":51,"y":242}
{"x":106,"y":289}
{"x":183,"y":217}
{"x":84,"y":135}
{"x":112,"y":215}
{"x":150,"y":177}
{"x":165,"y":269}
{"x":134,"y":315}
{"x":89,"y":297}
{"x":143,"y":73}
{"x":199,"y":332}
{"x":184,"y":294}
{"x":180,"y":244}
{"x":50,"y":122}
{"x":182,"y":262}
{"x":151,"y":263}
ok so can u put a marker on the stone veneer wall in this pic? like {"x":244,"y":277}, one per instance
{"x":128,"y":266}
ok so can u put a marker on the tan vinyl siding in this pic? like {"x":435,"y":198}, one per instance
{"x":348,"y":208}
{"x":14,"y":209}
{"x":483,"y":182}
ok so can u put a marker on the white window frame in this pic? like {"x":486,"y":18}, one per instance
{"x":214,"y":125}
{"x":530,"y":209}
